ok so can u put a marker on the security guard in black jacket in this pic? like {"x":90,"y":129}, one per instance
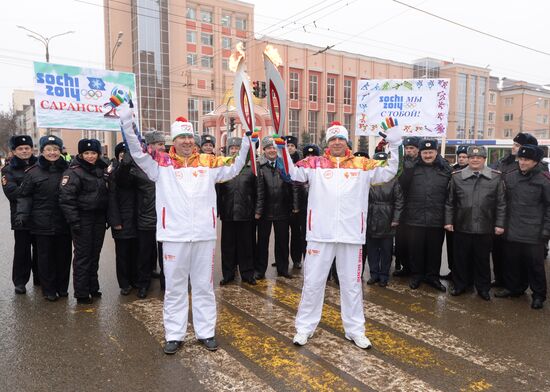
{"x":38,"y":208}
{"x":236,"y":202}
{"x":474,"y":211}
{"x":12,"y":176}
{"x":83,"y":199}
{"x":528,"y":226}
{"x":122,"y":217}
{"x":425,"y":186}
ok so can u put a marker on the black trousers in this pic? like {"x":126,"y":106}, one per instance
{"x":281,"y":245}
{"x":402,"y":254}
{"x":425,"y":244}
{"x":237,"y":249}
{"x":54,"y":263}
{"x":498,"y":258}
{"x":146,"y":257}
{"x":87,"y":248}
{"x":126,"y":261}
{"x":449,"y":235}
{"x":303,"y":230}
{"x":161,"y":265}
{"x":524,"y":267}
{"x":25,"y":258}
{"x":296,"y":238}
{"x":379,"y":257}
{"x":471,"y":260}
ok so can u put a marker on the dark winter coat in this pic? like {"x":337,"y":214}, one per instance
{"x":275,"y":197}
{"x":476,"y":205}
{"x":83,"y":188}
{"x":38,"y":201}
{"x":122,"y":209}
{"x":425,"y":187}
{"x":237,"y":197}
{"x":12,"y":177}
{"x":386,"y":204}
{"x":528,"y":202}
{"x":506,"y":164}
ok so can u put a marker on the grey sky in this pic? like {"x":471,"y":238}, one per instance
{"x":381,"y":28}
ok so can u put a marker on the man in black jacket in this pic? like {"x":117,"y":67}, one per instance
{"x":425,"y":185}
{"x":528,"y":226}
{"x":274,"y":204}
{"x":475,"y":209}
{"x":12,"y":176}
{"x":236,"y":203}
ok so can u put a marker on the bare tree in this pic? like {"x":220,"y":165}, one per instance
{"x":7,"y":129}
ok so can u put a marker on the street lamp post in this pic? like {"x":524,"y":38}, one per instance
{"x":44,"y":40}
{"x":116,"y":45}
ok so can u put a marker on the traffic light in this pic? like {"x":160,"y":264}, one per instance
{"x":231,"y":124}
{"x":256,"y":88}
{"x":263,"y":92}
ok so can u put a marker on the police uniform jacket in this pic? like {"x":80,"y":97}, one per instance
{"x":237,"y":197}
{"x":476,"y":204}
{"x":426,"y":189}
{"x":38,"y":202}
{"x":275,"y":197}
{"x":506,"y":164}
{"x":386,"y":204}
{"x":122,"y":209}
{"x":528,"y":212}
{"x":83,"y":188}
{"x":12,"y":177}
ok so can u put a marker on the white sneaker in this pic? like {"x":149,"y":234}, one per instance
{"x":360,"y":341}
{"x":300,"y":339}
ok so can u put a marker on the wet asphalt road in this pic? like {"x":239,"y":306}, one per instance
{"x":423,"y":340}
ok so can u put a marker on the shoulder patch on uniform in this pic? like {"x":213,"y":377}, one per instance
{"x":64,"y":180}
{"x":4,"y":180}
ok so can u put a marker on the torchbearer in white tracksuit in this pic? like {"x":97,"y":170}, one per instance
{"x":336,"y":224}
{"x":186,"y":224}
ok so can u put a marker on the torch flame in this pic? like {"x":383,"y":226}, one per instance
{"x":271,"y":52}
{"x":236,"y":57}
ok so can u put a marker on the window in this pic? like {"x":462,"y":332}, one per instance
{"x":193,"y":112}
{"x":207,"y":62}
{"x":312,"y":122}
{"x":191,"y":13}
{"x":508,"y":101}
{"x":294,"y":122}
{"x":508,"y":116}
{"x":542,"y":119}
{"x":191,"y":59}
{"x":490,"y":132}
{"x":191,"y":37}
{"x":206,"y":16}
{"x":331,"y":87}
{"x":546,"y":103}
{"x":207,"y":39}
{"x":294,"y":85}
{"x":225,"y":64}
{"x":507,"y":132}
{"x":207,"y":106}
{"x":347,"y":92}
{"x":347,"y":121}
{"x":241,"y":23}
{"x":313,"y":88}
{"x":330,"y":118}
{"x":492,"y":98}
{"x":491,"y":117}
{"x":226,"y":19}
{"x":226,"y":43}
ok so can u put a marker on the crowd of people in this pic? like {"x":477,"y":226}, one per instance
{"x":331,"y":211}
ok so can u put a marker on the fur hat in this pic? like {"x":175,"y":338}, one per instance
{"x":462,"y":149}
{"x":234,"y":141}
{"x":380,"y":156}
{"x":291,"y":140}
{"x":208,"y":139}
{"x":477,"y":151}
{"x":50,"y":139}
{"x":526,"y":138}
{"x":181,"y":127}
{"x":411,"y":141}
{"x":531,"y":151}
{"x":120,"y":147}
{"x":266,"y":142}
{"x":427,"y":144}
{"x":89,"y":145}
{"x":154,"y":136}
{"x":336,"y":130}
{"x":311,"y":150}
{"x":20,"y":140}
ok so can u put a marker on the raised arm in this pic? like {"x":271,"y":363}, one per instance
{"x":297,"y":173}
{"x":226,"y":173}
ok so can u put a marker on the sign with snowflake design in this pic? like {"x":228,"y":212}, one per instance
{"x":78,"y":98}
{"x":421,"y":106}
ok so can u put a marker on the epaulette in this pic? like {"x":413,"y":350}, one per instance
{"x":546,"y":174}
{"x":30,"y":167}
{"x":496,"y":171}
{"x":457,"y":171}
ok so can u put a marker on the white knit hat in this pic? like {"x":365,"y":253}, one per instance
{"x":181,"y":127}
{"x":336,"y":130}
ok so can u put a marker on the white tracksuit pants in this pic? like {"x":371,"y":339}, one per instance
{"x":181,"y":261}
{"x":319,"y":257}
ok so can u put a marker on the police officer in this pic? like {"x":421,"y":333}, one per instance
{"x":461,"y":157}
{"x":12,"y":176}
{"x":425,"y":185}
{"x":528,"y":226}
{"x":83,"y":199}
{"x":38,"y":208}
{"x":402,"y":264}
{"x":475,"y":209}
{"x":208,"y":143}
{"x":236,"y":201}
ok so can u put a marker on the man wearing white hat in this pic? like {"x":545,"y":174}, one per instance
{"x":336,"y":222}
{"x":186,"y":210}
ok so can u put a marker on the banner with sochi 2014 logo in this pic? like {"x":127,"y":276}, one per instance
{"x":78,"y":98}
{"x":421,"y":106}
